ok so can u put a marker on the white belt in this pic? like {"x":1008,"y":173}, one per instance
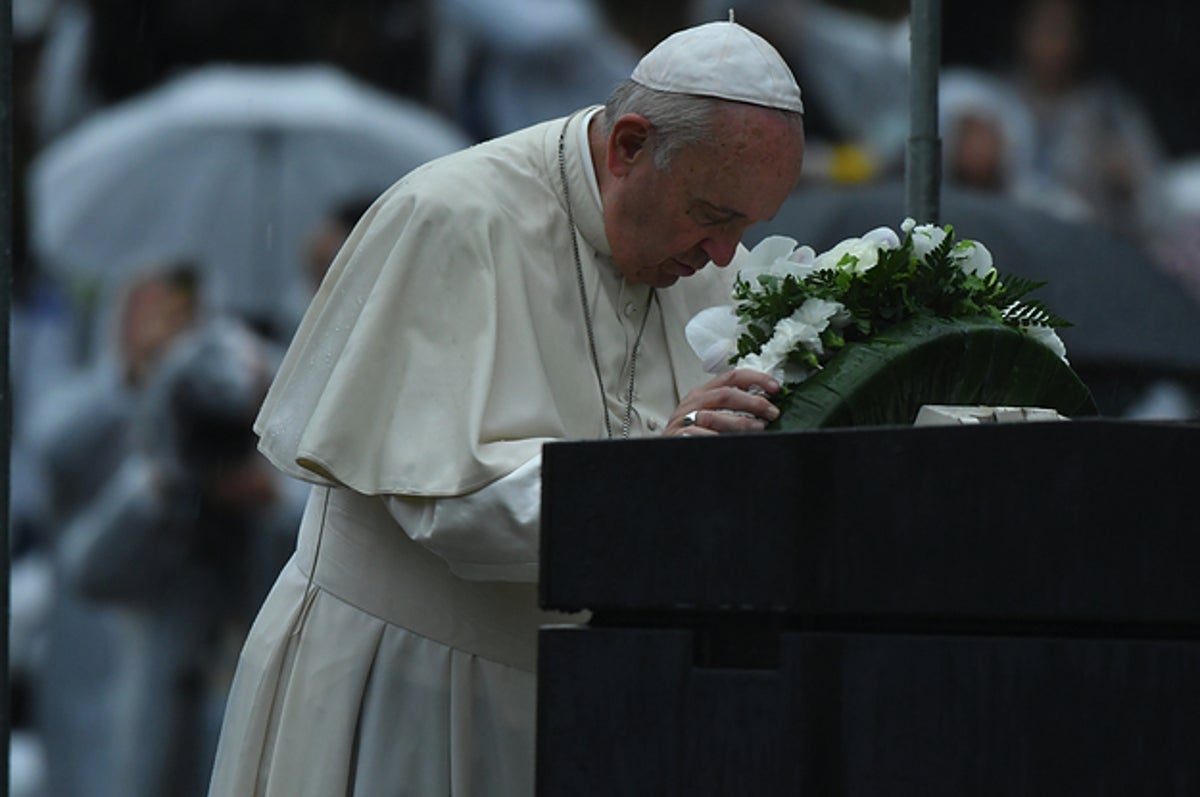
{"x":364,"y":558}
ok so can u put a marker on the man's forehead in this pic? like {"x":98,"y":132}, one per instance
{"x":749,"y":194}
{"x":744,"y":171}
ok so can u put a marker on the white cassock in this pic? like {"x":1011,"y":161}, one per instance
{"x":395,"y":655}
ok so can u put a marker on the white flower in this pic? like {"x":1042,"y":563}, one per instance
{"x":926,"y":238}
{"x":778,"y":256}
{"x":776,"y":364}
{"x":802,"y":329}
{"x":858,"y":255}
{"x":804,"y":260}
{"x":758,"y":362}
{"x":770,"y":360}
{"x":804,"y":326}
{"x":713,"y":334}
{"x":973,"y":258}
{"x":767,"y":251}
{"x":1047,"y":337}
{"x":817,"y":313}
{"x":786,"y":337}
{"x":884,"y":236}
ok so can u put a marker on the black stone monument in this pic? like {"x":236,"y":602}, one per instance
{"x":1004,"y":609}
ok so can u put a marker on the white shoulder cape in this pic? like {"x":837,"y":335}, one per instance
{"x":447,"y":343}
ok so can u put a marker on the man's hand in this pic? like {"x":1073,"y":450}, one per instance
{"x":733,"y":402}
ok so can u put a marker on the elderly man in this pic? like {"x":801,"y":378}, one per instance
{"x":530,"y":289}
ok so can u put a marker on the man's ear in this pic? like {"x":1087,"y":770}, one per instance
{"x":628,"y":143}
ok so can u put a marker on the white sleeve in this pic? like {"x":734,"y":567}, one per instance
{"x":488,"y":535}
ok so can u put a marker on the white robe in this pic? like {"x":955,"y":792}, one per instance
{"x":396,"y":653}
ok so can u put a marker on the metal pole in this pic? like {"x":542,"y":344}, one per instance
{"x":923,"y":162}
{"x":6,"y":254}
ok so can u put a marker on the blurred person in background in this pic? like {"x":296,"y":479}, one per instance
{"x":79,"y":433}
{"x":986,"y":134}
{"x":987,"y":143}
{"x":1091,"y":137}
{"x":80,"y":427}
{"x":181,"y":544}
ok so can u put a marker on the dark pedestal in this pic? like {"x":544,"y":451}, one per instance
{"x":1001,"y":610}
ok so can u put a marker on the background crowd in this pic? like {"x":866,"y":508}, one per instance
{"x":184,"y":173}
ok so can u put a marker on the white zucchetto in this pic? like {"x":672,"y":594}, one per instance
{"x":724,"y":60}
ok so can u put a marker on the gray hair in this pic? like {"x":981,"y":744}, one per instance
{"x":679,"y":120}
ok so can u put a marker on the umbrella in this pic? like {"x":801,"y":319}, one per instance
{"x":1131,"y":321}
{"x":230,"y":166}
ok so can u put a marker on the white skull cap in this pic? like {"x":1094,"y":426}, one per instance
{"x":724,"y":60}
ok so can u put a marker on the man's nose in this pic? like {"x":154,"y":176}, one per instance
{"x":721,"y":248}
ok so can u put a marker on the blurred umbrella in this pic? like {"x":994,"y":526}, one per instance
{"x":1128,"y":316}
{"x":228,"y":165}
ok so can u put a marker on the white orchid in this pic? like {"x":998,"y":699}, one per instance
{"x":777,"y":256}
{"x":858,"y":255}
{"x":765,"y":363}
{"x":925,"y":237}
{"x":811,"y":319}
{"x":971,"y":256}
{"x":884,"y":237}
{"x":713,"y":334}
{"x":974,"y":258}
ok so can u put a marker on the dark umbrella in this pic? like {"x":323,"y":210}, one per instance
{"x":1132,"y":323}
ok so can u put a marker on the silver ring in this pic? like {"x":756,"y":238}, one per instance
{"x":690,"y":419}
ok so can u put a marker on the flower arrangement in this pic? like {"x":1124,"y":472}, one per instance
{"x":794,"y":310}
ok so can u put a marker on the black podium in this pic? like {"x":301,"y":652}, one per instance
{"x":989,"y":610}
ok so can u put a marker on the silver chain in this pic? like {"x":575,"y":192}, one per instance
{"x":627,"y":422}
